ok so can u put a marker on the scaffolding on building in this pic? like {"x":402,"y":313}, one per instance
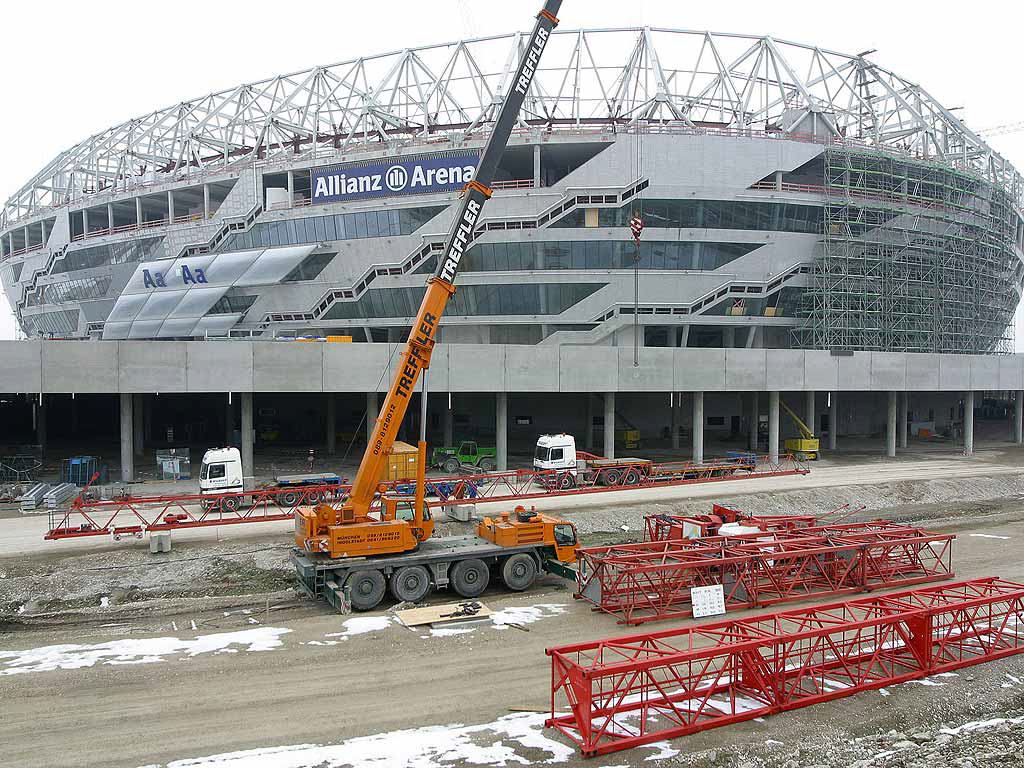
{"x":916,"y":256}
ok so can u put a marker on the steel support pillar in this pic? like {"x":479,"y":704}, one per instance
{"x":449,"y":420}
{"x":330,"y":420}
{"x":170,"y":206}
{"x":501,"y":430}
{"x":677,"y":411}
{"x":752,"y":421}
{"x":127,"y":427}
{"x":41,"y":422}
{"x":206,"y":201}
{"x":1018,"y":418}
{"x":969,"y":423}
{"x":138,"y":211}
{"x":833,"y":420}
{"x":904,"y":426}
{"x":890,"y":427}
{"x":698,"y":427}
{"x":139,"y":435}
{"x":773,"y":427}
{"x":609,"y":425}
{"x":248,"y":434}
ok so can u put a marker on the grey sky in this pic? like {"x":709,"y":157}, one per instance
{"x":72,"y":69}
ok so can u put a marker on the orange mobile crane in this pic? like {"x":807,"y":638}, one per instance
{"x":347,"y":554}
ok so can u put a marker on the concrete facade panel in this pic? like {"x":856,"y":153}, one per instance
{"x":854,"y":372}
{"x":588,"y":369}
{"x":1011,"y":372}
{"x":21,"y":366}
{"x":76,"y":366}
{"x":476,"y":368}
{"x":888,"y":371}
{"x":746,"y":370}
{"x":923,"y":372}
{"x":653,"y":374}
{"x":821,"y":370}
{"x":355,"y":367}
{"x":531,"y":369}
{"x":439,"y":381}
{"x":784,"y":369}
{"x":288,"y":366}
{"x":984,"y":372}
{"x":954,"y":372}
{"x":224,"y":366}
{"x":148,"y":367}
{"x":698,"y":370}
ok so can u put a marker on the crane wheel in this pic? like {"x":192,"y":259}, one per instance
{"x":469,"y":577}
{"x":519,"y":572}
{"x":410,"y":584}
{"x":366,"y":589}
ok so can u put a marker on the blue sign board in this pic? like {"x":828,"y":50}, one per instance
{"x":396,"y":176}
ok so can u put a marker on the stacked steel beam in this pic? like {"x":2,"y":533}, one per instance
{"x":652,"y":580}
{"x":639,"y":689}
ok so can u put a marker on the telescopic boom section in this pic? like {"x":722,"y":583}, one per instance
{"x":440,"y":287}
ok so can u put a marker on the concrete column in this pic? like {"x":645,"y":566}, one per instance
{"x":449,"y":420}
{"x":809,"y":415}
{"x":85,"y":221}
{"x":588,"y":432}
{"x":206,"y":201}
{"x":677,"y":411}
{"x":170,"y":206}
{"x":371,"y":413}
{"x":138,"y":211}
{"x":110,"y":216}
{"x":773,"y":427}
{"x":752,"y":421}
{"x":127,"y":427}
{"x":904,"y":426}
{"x":501,"y":430}
{"x":329,"y":424}
{"x":1018,"y":418}
{"x":229,"y":422}
{"x":778,"y":180}
{"x":833,"y":420}
{"x":536,"y":165}
{"x":698,"y":427}
{"x":291,"y":188}
{"x":248,"y":436}
{"x":969,"y":423}
{"x":609,"y":425}
{"x":41,"y":422}
{"x":729,"y":336}
{"x":139,"y":433}
{"x":890,"y":427}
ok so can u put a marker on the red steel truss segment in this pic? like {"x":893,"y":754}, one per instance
{"x":648,"y":581}
{"x":638,"y":689}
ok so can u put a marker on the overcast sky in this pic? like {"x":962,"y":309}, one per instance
{"x":72,"y":69}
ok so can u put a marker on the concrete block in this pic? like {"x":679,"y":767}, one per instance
{"x":146,"y":366}
{"x":821,"y":370}
{"x":653,"y":374}
{"x":159,"y":542}
{"x":888,"y":371}
{"x":984,"y":372}
{"x":476,"y":367}
{"x":854,"y":372}
{"x":698,"y":370}
{"x":922,"y":372}
{"x":22,"y":368}
{"x":588,"y":369}
{"x":78,"y":366}
{"x":784,"y":370}
{"x":218,"y":366}
{"x":531,"y":369}
{"x":954,"y":373}
{"x":746,"y":370}
{"x":288,"y":366}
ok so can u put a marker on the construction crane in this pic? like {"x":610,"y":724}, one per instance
{"x":807,"y":446}
{"x":350,"y":531}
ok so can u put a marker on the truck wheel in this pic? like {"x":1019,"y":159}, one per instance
{"x":230,"y":503}
{"x":566,"y":481}
{"x":410,"y":584}
{"x":519,"y":572}
{"x":486,"y":465}
{"x":287,"y":498}
{"x":632,"y":477}
{"x":469,"y":577}
{"x":451,"y":465}
{"x":366,"y":589}
{"x":611,"y":477}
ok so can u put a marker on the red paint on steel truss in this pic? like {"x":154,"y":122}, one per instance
{"x":652,"y":580}
{"x":635,"y":690}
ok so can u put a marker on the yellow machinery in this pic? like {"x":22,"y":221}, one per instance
{"x":806,"y":447}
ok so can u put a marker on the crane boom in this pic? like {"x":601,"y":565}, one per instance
{"x":441,"y":286}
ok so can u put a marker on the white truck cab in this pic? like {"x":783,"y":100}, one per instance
{"x":556,"y":452}
{"x":221,"y":471}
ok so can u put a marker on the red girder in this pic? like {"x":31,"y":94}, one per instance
{"x":648,"y":581}
{"x":638,"y":689}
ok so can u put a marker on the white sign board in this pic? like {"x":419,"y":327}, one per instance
{"x":707,"y":601}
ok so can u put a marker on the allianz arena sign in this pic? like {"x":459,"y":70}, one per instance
{"x":406,"y":176}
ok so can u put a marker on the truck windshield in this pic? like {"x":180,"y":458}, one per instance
{"x":542,"y":453}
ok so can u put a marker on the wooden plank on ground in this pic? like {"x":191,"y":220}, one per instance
{"x":435,"y":614}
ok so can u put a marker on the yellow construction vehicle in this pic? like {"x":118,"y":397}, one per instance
{"x":349,"y":554}
{"x":806,"y":447}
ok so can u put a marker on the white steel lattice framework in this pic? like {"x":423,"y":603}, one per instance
{"x":692,"y":79}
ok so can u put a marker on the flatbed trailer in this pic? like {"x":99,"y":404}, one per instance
{"x":596,"y":471}
{"x":344,"y":582}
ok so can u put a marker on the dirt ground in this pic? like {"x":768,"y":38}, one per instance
{"x":206,"y":658}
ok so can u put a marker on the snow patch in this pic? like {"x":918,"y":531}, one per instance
{"x":361,"y":625}
{"x":104,"y":602}
{"x":135,"y":651}
{"x":664,"y":751}
{"x":526,"y":614}
{"x":981,"y":725}
{"x":987,"y":536}
{"x":450,"y":631}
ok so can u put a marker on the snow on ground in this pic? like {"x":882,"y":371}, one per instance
{"x":136,"y":650}
{"x":361,"y":625}
{"x":987,"y":536}
{"x":490,"y":744}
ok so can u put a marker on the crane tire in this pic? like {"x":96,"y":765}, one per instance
{"x":366,"y":589}
{"x":469,"y":577}
{"x":410,"y":584}
{"x":519,"y":571}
